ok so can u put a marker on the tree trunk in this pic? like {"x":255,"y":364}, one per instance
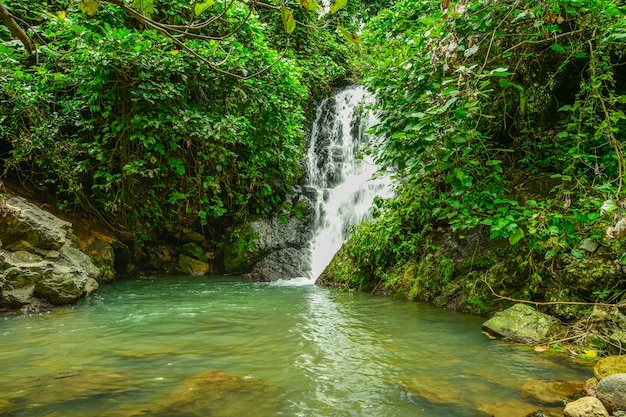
{"x":16,"y":30}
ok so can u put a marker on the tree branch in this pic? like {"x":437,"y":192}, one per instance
{"x":17,"y":32}
{"x":548,"y":303}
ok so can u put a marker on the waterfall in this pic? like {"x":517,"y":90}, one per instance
{"x":342,"y":180}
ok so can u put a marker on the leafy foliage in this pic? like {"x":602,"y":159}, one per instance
{"x":116,"y":119}
{"x":506,"y":115}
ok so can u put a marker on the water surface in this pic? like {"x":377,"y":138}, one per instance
{"x":182,"y":346}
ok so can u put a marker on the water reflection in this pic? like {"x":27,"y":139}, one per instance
{"x":264,"y":350}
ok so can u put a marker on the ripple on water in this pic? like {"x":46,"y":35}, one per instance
{"x":262,"y":350}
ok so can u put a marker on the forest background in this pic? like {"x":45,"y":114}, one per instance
{"x":504,"y":124}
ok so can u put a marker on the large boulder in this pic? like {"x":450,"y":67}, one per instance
{"x":38,"y":260}
{"x":23,"y":226}
{"x":612,"y":392}
{"x":283,"y":264}
{"x":585,"y":407}
{"x":267,"y":250}
{"x":522,"y":323}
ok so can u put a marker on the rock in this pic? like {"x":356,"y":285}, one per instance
{"x":584,"y":276}
{"x":190,"y":266}
{"x":49,"y":269}
{"x":585,"y":407}
{"x":551,"y":393}
{"x":256,"y":241}
{"x":24,"y":225}
{"x":590,"y":387}
{"x":111,"y":256}
{"x":218,"y":393}
{"x":522,"y":323}
{"x":17,"y":297}
{"x":283,"y":264}
{"x":193,"y":250}
{"x":609,"y":365}
{"x":612,"y":392}
{"x":68,"y":386}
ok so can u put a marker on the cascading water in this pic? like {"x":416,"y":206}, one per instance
{"x":344,"y":182}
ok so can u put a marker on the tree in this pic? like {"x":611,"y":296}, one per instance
{"x":218,"y":25}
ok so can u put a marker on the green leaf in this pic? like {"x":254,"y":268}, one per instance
{"x":338,"y":5}
{"x":311,"y":5}
{"x":557,"y":48}
{"x":577,"y":253}
{"x":288,"y":20}
{"x":350,"y":37}
{"x":500,"y":72}
{"x":89,"y":7}
{"x":516,"y":236}
{"x":201,"y":7}
{"x":145,"y":7}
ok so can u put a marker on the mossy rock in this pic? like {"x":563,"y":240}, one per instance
{"x":590,"y":274}
{"x":190,"y":266}
{"x":609,"y":365}
{"x":242,"y":250}
{"x":193,"y":250}
{"x":522,"y":323}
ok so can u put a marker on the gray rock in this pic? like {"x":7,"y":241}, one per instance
{"x":263,"y":247}
{"x":23,"y":225}
{"x":522,"y":323}
{"x":612,"y":392}
{"x":283,"y":264}
{"x":16,"y":298}
{"x":51,"y":270}
{"x":585,"y":407}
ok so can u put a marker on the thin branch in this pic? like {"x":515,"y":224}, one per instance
{"x":548,"y":303}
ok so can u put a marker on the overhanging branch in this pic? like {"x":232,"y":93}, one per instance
{"x":17,"y":32}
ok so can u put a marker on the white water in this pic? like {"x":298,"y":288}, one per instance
{"x":344,"y":180}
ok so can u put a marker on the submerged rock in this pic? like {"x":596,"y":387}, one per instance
{"x":522,"y":323}
{"x":551,"y":393}
{"x":217,"y":393}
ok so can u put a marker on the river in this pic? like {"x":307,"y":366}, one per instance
{"x":217,"y":346}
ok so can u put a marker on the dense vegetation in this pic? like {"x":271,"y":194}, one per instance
{"x":505,"y":122}
{"x":156,"y":116}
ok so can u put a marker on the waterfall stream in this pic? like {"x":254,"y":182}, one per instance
{"x":343,"y":180}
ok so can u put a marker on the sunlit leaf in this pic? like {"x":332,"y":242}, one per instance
{"x":288,"y":20}
{"x":146,"y":7}
{"x":517,"y":235}
{"x":89,"y":7}
{"x":350,"y":37}
{"x":338,"y":5}
{"x":62,"y":15}
{"x":201,"y":7}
